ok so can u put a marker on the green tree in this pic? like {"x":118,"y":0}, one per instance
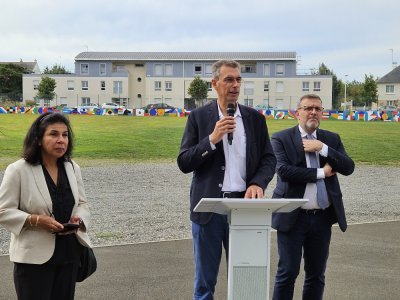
{"x":198,"y":90}
{"x":46,"y":89}
{"x":11,"y":81}
{"x":336,"y":84}
{"x":354,"y":93}
{"x":370,"y":90}
{"x":56,"y":69}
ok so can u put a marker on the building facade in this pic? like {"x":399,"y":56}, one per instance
{"x":136,"y":79}
{"x":389,"y":89}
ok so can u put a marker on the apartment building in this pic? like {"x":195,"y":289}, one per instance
{"x":136,"y":79}
{"x":389,"y":89}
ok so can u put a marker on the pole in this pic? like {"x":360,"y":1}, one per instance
{"x":345,"y":87}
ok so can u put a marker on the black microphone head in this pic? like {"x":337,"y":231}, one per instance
{"x":230,"y":110}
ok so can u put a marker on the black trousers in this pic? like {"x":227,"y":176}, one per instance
{"x":46,"y":281}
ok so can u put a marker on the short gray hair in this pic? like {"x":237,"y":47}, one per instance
{"x":216,"y":67}
{"x":308,"y":96}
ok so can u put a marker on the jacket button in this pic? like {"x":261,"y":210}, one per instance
{"x":223,"y":168}
{"x":220,"y":185}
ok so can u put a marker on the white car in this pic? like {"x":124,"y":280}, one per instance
{"x":111,"y":105}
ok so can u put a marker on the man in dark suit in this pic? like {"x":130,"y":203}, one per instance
{"x":308,"y":159}
{"x":241,"y":168}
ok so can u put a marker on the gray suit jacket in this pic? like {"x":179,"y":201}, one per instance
{"x":23,"y":192}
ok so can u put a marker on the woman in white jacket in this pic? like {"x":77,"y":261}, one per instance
{"x":39,"y":195}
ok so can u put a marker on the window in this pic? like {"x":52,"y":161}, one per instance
{"x":168,"y":70}
{"x":280,"y":70}
{"x":158,"y":70}
{"x":198,"y":69}
{"x":157,"y":85}
{"x":306,"y":86}
{"x":119,"y":68}
{"x":267,"y":71}
{"x":84,"y":69}
{"x":248,"y":102}
{"x":249,"y":87}
{"x":102,"y":85}
{"x":85,"y":85}
{"x":35,"y":84}
{"x":390,"y":102}
{"x":249,"y":69}
{"x":209,"y":85}
{"x":117,"y":87}
{"x":168,"y":85}
{"x":317,"y":86}
{"x":280,"y":88}
{"x":102,"y":69}
{"x":279,"y":103}
{"x":390,"y":89}
{"x":266,"y":86}
{"x":208,"y":69}
{"x":70,"y":85}
{"x":85,"y":100}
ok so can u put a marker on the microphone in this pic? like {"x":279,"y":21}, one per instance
{"x":230,"y":110}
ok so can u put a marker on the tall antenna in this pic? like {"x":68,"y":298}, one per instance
{"x":394,"y":64}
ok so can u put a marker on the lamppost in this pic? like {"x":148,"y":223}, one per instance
{"x":345,"y":91}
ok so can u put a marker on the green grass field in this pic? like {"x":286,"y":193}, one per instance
{"x":121,"y":139}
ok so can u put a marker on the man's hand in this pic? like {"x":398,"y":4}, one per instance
{"x":223,"y":126}
{"x":312,"y":145}
{"x":254,"y":191}
{"x":328,"y":170}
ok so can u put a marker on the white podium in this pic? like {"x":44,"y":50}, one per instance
{"x":249,"y":241}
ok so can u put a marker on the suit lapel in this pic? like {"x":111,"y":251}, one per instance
{"x":72,"y":180}
{"x":42,"y":185}
{"x":297,"y":141}
{"x":214,"y":117}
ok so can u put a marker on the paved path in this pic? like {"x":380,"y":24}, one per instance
{"x":364,"y":264}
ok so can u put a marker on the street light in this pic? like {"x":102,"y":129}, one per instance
{"x":345,"y":92}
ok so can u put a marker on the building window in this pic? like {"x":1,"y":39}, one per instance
{"x":198,"y":69}
{"x":390,"y":89}
{"x":157,"y":85}
{"x":208,"y":69}
{"x":249,"y":87}
{"x":306,"y":86}
{"x":249,"y":69}
{"x":390,"y":102}
{"x":117,"y":87}
{"x":317,"y":86}
{"x":280,"y":70}
{"x":209,"y":85}
{"x":119,"y":68}
{"x":168,"y":85}
{"x":158,"y":70}
{"x":248,"y":102}
{"x":168,"y":70}
{"x":267,"y":71}
{"x":280,"y":87}
{"x":279,"y":103}
{"x":102,"y":69}
{"x":85,"y":100}
{"x":84,"y":69}
{"x":102,"y":85}
{"x":35,"y":84}
{"x":85,"y":85}
{"x":266,"y":86}
{"x":70,"y":85}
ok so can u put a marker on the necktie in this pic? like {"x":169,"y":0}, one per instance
{"x":322,"y":196}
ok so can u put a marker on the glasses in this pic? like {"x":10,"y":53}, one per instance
{"x":232,"y":80}
{"x":311,"y":108}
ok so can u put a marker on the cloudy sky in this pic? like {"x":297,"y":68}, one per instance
{"x":352,"y":38}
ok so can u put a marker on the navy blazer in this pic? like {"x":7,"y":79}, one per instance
{"x":293,"y":174}
{"x":208,"y":166}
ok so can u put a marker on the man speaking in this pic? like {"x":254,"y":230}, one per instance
{"x":230,"y":154}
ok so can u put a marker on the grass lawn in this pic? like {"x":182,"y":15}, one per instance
{"x":120,"y":139}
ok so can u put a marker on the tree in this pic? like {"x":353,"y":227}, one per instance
{"x":46,"y":89}
{"x":11,"y":81}
{"x":336,"y":84}
{"x":56,"y":69}
{"x":198,"y":90}
{"x":370,"y":90}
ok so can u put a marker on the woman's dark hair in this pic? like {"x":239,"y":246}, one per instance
{"x":32,"y":152}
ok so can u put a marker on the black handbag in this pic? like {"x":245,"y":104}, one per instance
{"x":87,"y":265}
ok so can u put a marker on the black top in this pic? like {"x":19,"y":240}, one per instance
{"x":67,"y":248}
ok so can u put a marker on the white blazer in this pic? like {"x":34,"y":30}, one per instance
{"x":23,"y":192}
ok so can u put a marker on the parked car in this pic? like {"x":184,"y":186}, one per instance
{"x":157,"y":106}
{"x":388,"y":108}
{"x":111,"y":105}
{"x":87,"y":106}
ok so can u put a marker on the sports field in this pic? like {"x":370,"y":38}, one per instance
{"x":121,"y":139}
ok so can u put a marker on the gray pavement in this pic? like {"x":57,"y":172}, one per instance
{"x":364,"y":264}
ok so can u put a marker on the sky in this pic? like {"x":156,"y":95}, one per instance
{"x":352,"y":38}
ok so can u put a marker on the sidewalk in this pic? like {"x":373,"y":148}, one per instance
{"x":364,"y":264}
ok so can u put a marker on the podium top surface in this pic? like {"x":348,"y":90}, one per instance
{"x":224,"y":205}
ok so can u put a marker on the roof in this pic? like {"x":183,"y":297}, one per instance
{"x":391,"y":77}
{"x":180,"y":56}
{"x":28,"y":65}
